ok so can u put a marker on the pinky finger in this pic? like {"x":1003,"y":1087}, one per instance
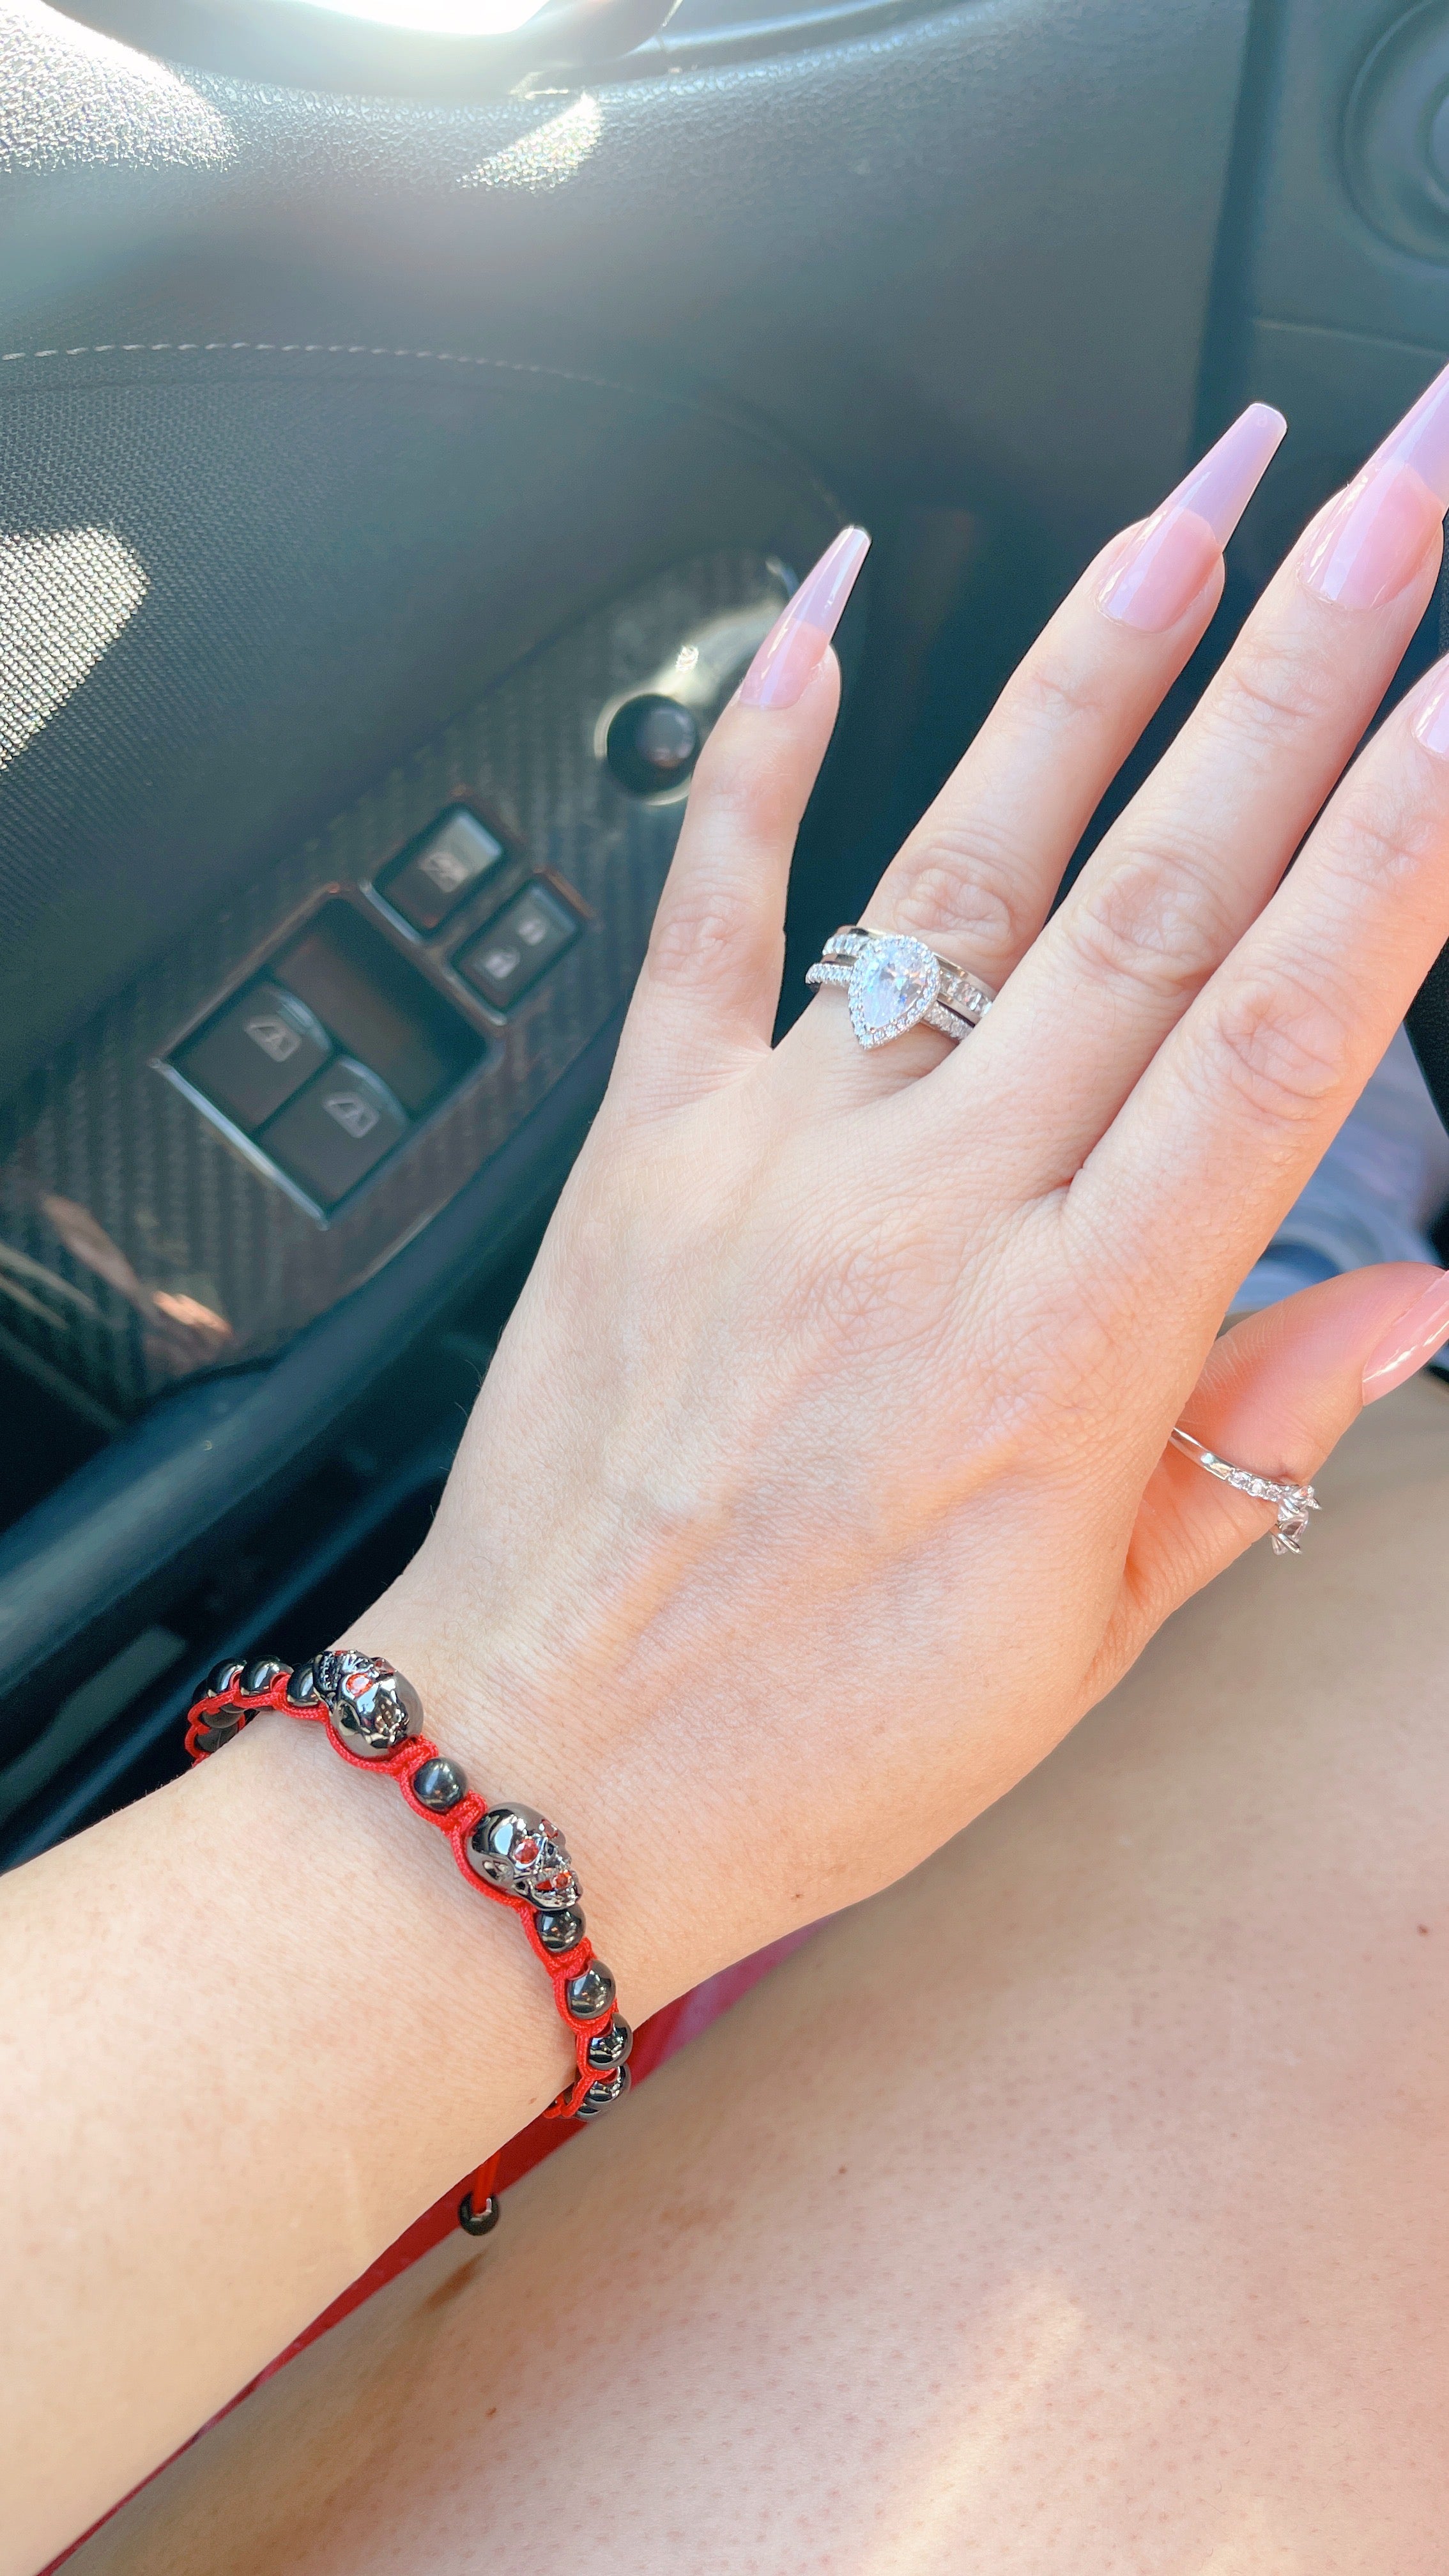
{"x":710,"y":986}
{"x":1277,"y":1394}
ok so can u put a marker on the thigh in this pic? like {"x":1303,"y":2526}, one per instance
{"x":1078,"y":2208}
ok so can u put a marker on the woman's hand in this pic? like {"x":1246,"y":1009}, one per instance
{"x":821,"y":1480}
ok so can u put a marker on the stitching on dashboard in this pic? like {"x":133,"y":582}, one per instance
{"x":439,"y":358}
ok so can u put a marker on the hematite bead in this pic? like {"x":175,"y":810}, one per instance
{"x":603,"y":2095}
{"x":589,"y":1993}
{"x":610,"y":2047}
{"x":438,"y":1784}
{"x":220,"y":1678}
{"x":261,"y":1675}
{"x":561,"y":1931}
{"x":483,"y":2221}
{"x":302,"y":1689}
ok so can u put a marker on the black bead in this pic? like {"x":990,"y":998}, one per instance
{"x":220,"y":1678}
{"x":603,"y":2095}
{"x":487,"y":2217}
{"x":261,"y":1675}
{"x":221,"y":1729}
{"x":610,"y":2047}
{"x":561,"y":1931}
{"x":589,"y":1993}
{"x":438,"y":1784}
{"x":302,"y":1689}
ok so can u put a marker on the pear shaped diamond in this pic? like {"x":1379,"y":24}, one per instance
{"x":893,"y":983}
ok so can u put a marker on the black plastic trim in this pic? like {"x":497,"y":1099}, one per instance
{"x":103,"y":1775}
{"x":135,"y":1525}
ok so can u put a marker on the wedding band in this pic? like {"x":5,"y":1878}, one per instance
{"x":1294,"y":1502}
{"x":894,"y":983}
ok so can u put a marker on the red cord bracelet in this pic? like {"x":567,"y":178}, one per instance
{"x":509,"y":1853}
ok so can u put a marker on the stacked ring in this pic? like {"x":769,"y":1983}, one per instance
{"x":894,"y":983}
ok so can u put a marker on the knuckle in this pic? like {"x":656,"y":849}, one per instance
{"x":1153,"y":921}
{"x":960,"y":884}
{"x":1282,"y":1045}
{"x":1385,"y":833}
{"x":1058,"y":687}
{"x":702,"y":927}
{"x":1272,"y":684}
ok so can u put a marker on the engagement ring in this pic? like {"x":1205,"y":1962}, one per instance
{"x":893,"y":983}
{"x":1294,"y":1502}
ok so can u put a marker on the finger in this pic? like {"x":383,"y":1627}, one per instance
{"x":1256,"y":1081}
{"x":710,"y":984}
{"x":977,"y":876}
{"x":1276,"y":1395}
{"x":1201,"y":848}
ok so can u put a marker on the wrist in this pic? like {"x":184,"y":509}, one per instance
{"x":519,"y":1723}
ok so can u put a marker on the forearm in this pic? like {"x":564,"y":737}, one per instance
{"x":252,"y":2027}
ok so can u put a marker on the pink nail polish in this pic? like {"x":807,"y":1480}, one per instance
{"x":1417,"y":1335}
{"x":1157,"y":578}
{"x":1372,"y":539}
{"x":1431,"y":724}
{"x":795,"y":646}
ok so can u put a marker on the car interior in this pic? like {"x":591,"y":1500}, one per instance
{"x":411,"y":421}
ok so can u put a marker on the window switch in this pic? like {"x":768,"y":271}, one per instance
{"x":511,"y":954}
{"x":431,"y":879}
{"x":255,"y":1054}
{"x":332,"y":1134}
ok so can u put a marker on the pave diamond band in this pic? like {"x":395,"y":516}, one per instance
{"x":895,"y":983}
{"x":1293,"y":1502}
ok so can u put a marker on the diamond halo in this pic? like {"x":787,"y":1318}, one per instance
{"x":893,"y":983}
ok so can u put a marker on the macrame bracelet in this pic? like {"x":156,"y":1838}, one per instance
{"x":510,"y":1853}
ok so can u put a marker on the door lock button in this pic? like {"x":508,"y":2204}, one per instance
{"x":333,"y":1133}
{"x":511,"y":954}
{"x":431,"y":879}
{"x":256,"y":1054}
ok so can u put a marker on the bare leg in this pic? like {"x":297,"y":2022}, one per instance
{"x":1079,"y":2208}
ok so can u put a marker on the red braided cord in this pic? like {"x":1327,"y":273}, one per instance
{"x":457,"y":1823}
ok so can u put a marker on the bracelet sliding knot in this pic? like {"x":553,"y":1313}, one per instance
{"x":510,"y":1853}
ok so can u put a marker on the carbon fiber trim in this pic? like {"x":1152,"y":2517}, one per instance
{"x":140,"y":1242}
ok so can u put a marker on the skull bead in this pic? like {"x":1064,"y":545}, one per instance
{"x":519,"y":1852}
{"x":371,"y":1707}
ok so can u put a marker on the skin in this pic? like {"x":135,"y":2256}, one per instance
{"x":825,"y":1358}
{"x":1100,"y":2227}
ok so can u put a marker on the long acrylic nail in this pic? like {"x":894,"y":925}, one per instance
{"x":1373,"y":538}
{"x":1161,"y":571}
{"x":795,"y":646}
{"x":1418,"y":1334}
{"x":1431,"y":723}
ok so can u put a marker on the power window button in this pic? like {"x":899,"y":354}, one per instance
{"x":431,"y":879}
{"x":512,"y":953}
{"x":256,"y":1054}
{"x":332,"y":1134}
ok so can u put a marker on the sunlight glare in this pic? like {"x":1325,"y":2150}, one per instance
{"x":438,"y":17}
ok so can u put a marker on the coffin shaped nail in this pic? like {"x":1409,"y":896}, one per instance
{"x":1164,"y":566}
{"x":795,"y":646}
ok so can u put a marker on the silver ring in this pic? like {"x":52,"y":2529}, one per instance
{"x":1294,"y":1502}
{"x":894,"y":983}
